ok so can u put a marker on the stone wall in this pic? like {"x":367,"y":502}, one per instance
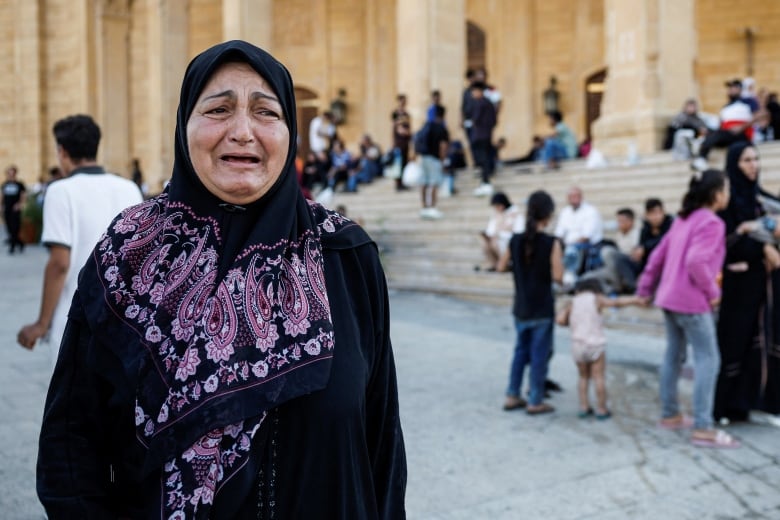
{"x":722,"y":51}
{"x":122,"y":61}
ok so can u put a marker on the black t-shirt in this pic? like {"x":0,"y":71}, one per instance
{"x":437,"y":134}
{"x":649,"y":240}
{"x":12,"y":193}
{"x":534,"y":298}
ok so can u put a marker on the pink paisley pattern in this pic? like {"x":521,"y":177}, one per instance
{"x":206,"y":338}
{"x":212,"y":458}
{"x":292,"y":299}
{"x":259,"y":307}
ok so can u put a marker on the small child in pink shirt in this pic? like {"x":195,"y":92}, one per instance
{"x":588,"y":342}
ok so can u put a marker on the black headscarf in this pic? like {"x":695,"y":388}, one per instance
{"x":216,"y":314}
{"x":744,"y":204}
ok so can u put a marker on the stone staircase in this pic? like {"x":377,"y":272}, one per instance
{"x":439,"y":256}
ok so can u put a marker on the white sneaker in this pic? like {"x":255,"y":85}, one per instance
{"x":434,"y":214}
{"x":425,"y":213}
{"x":484,"y":190}
{"x":700,"y":164}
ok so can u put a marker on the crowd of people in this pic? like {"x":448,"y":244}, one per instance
{"x":436,"y":156}
{"x":712,"y":269}
{"x":749,"y":115}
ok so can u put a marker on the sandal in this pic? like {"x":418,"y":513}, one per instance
{"x":514,"y":403}
{"x":676,"y":422}
{"x":584,"y":414}
{"x":720,"y":440}
{"x":539,"y":409}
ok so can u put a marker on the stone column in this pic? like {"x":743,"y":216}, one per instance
{"x":511,"y":69}
{"x":249,"y":20}
{"x":23,"y":139}
{"x":113,"y":98}
{"x":431,"y":54}
{"x":380,"y":65}
{"x":650,"y":72}
{"x":68,"y":64}
{"x":168,"y":57}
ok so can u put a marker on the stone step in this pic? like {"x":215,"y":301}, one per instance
{"x":439,"y":256}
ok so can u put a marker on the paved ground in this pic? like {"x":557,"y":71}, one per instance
{"x":467,"y":458}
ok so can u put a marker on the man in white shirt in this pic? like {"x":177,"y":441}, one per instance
{"x":76,"y":212}
{"x":321,"y":131}
{"x":579,"y":227}
{"x":619,"y":271}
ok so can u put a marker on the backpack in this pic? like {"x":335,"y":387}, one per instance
{"x":421,"y":140}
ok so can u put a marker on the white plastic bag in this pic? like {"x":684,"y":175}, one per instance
{"x":412,"y":174}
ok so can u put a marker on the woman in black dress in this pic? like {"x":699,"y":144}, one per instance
{"x":227,"y":353}
{"x":749,"y":323}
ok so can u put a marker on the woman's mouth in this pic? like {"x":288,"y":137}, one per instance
{"x":240,"y":159}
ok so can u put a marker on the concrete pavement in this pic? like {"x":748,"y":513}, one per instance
{"x":467,"y":458}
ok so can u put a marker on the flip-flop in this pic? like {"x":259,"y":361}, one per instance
{"x":542,"y":408}
{"x":721,"y":440}
{"x":683,"y":424}
{"x":521,"y":403}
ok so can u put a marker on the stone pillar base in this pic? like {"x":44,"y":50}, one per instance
{"x":614,"y":135}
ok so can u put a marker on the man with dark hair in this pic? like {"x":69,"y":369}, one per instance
{"x":619,"y":271}
{"x":465,"y":105}
{"x":736,"y":124}
{"x":655,"y":225}
{"x":402,"y":136}
{"x":14,"y":195}
{"x":77,"y":211}
{"x":561,"y":144}
{"x":483,"y":119}
{"x":435,"y":102}
{"x":431,"y":143}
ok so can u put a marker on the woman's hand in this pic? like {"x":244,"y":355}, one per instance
{"x":771,"y":256}
{"x":748,"y":227}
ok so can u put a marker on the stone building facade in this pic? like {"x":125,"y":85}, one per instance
{"x":623,"y":67}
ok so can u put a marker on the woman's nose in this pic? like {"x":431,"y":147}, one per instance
{"x":241,"y":129}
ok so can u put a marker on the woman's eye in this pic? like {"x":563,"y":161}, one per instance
{"x":266,"y":113}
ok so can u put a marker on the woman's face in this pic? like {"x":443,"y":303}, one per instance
{"x":749,"y":163}
{"x":722,"y":197}
{"x":237,"y":135}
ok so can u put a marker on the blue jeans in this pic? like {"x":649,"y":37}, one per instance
{"x":553,"y":150}
{"x":573,"y":255}
{"x":534,"y":343}
{"x":699,"y":330}
{"x":367,"y":170}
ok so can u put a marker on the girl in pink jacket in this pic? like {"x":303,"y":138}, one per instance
{"x":682,"y":275}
